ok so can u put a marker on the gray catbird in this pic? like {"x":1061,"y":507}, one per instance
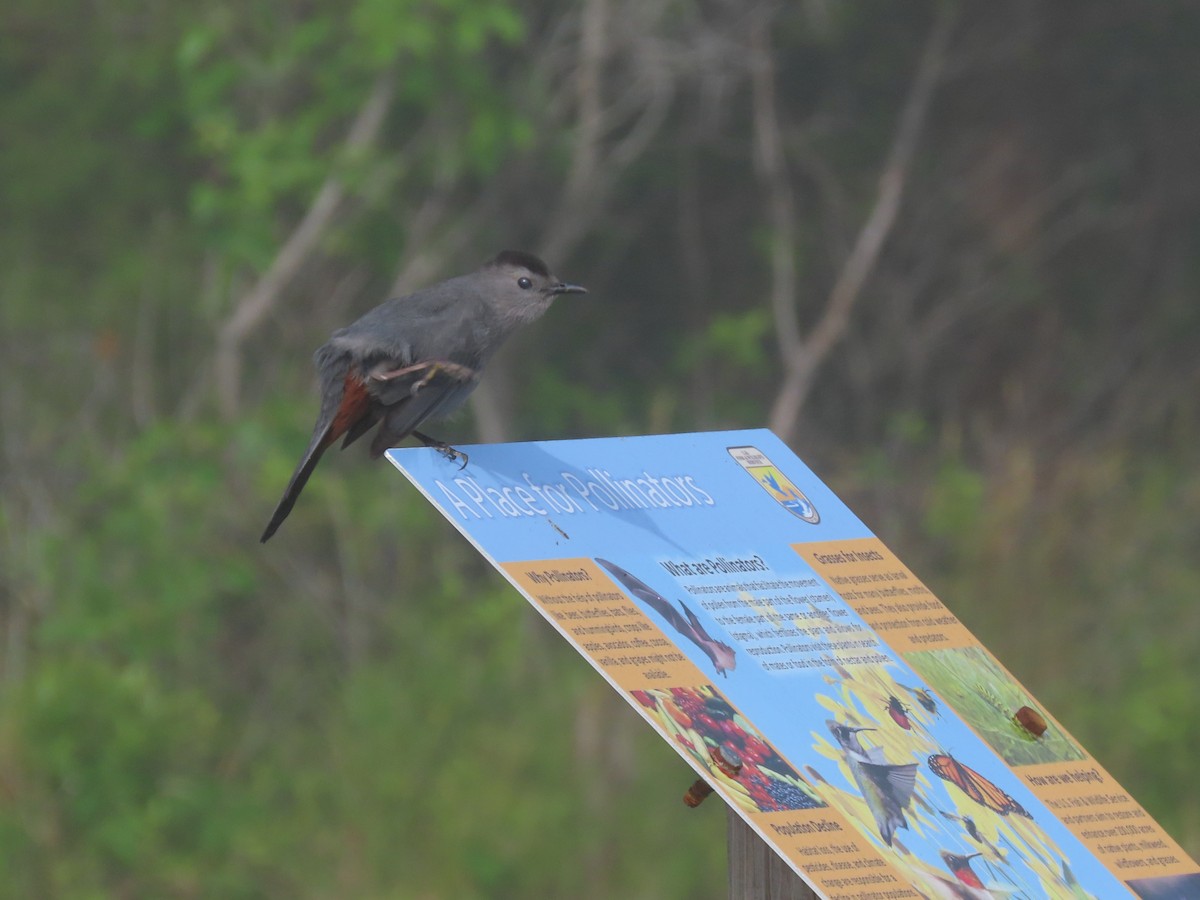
{"x":418,"y":357}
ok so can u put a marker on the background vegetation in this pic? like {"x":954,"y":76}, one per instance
{"x":948,"y":251}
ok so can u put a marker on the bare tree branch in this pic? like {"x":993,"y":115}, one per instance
{"x":593,"y":47}
{"x":771,"y":167}
{"x":804,"y":358}
{"x":257,"y":304}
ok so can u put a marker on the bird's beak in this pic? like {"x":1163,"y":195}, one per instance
{"x":563,"y":288}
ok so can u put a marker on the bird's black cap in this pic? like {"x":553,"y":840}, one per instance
{"x":523,"y":259}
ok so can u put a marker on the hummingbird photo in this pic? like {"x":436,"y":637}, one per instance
{"x":887,"y":788}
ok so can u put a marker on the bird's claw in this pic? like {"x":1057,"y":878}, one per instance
{"x":443,"y":448}
{"x":421,"y":382}
{"x":452,"y":454}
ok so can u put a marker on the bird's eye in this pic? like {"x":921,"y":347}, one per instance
{"x":524,"y":283}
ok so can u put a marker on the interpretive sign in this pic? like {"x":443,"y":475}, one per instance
{"x":739,"y":605}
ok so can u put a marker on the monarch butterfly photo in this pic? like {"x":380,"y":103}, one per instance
{"x":974,"y":785}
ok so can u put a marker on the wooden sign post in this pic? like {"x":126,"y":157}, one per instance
{"x":756,"y":872}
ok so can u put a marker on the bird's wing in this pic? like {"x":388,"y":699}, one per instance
{"x":874,"y":755}
{"x":417,"y":393}
{"x":899,"y":779}
{"x":451,"y":321}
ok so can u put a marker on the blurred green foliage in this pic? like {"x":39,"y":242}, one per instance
{"x":363,"y":708}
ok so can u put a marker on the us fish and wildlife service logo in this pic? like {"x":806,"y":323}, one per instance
{"x":775,"y":483}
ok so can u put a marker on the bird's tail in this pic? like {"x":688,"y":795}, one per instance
{"x":308,"y":462}
{"x":345,"y":403}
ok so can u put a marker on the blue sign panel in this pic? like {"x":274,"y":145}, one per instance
{"x":748,"y":614}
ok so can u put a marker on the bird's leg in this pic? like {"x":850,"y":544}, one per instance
{"x":381,"y":374}
{"x":442,"y":447}
{"x":431,"y":369}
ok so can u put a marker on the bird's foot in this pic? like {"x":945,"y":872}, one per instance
{"x":455,"y":371}
{"x":443,"y":448}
